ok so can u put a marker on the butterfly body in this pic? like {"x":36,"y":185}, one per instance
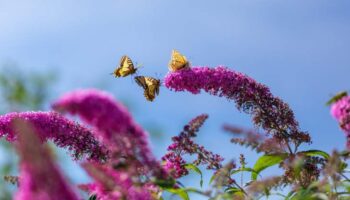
{"x":125,"y":68}
{"x":150,"y":86}
{"x":177,"y":61}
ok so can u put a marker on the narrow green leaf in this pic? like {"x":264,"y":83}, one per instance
{"x":193,"y":190}
{"x":302,"y":194}
{"x":93,"y":197}
{"x":290,"y":194}
{"x":336,"y":97}
{"x":169,"y":183}
{"x":180,"y":192}
{"x":194,"y":168}
{"x":246,"y":169}
{"x":212,"y":178}
{"x":315,"y":153}
{"x":266,"y":161}
{"x":232,"y":190}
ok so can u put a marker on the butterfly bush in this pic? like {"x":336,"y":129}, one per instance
{"x":268,"y":111}
{"x":112,"y":184}
{"x":40,"y":178}
{"x":340,"y":110}
{"x":183,"y":144}
{"x":127,"y":142}
{"x":130,"y":171}
{"x":62,"y":131}
{"x":111,"y":120}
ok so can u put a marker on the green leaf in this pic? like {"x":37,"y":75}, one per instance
{"x":194,"y":168}
{"x":266,"y":161}
{"x":180,"y":192}
{"x":232,"y":190}
{"x":290,"y":194}
{"x":193,"y":190}
{"x":165,"y":183}
{"x":212,"y":178}
{"x":245,"y":169}
{"x":336,"y":97}
{"x":303,"y":194}
{"x":93,"y":197}
{"x":316,"y":153}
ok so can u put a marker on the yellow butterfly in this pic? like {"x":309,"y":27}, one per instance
{"x":126,"y":67}
{"x":178,"y":61}
{"x":150,"y":86}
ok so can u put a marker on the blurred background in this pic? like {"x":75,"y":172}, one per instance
{"x":300,"y":49}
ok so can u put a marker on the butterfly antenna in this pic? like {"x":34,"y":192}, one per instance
{"x":157,"y":75}
{"x":139,"y":65}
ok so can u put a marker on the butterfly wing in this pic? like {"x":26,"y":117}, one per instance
{"x":153,"y":88}
{"x":126,"y":67}
{"x":150,"y":86}
{"x":141,"y":81}
{"x":178,"y":61}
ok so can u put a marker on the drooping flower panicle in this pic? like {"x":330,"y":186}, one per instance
{"x":40,"y":177}
{"x":183,"y":144}
{"x":268,"y":111}
{"x":114,"y":125}
{"x":255,"y":140}
{"x":62,"y":131}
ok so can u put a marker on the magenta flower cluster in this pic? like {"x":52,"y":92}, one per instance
{"x":340,"y":110}
{"x":113,"y":124}
{"x":62,"y":131}
{"x":130,"y":161}
{"x":119,"y":159}
{"x":268,"y":111}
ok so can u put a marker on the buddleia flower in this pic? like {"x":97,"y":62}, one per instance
{"x":268,"y":111}
{"x":63,"y":132}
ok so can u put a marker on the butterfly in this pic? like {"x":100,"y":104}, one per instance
{"x":126,"y":67}
{"x":177,"y":61}
{"x":150,"y":86}
{"x":337,"y":97}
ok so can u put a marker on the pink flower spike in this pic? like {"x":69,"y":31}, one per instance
{"x":40,"y":177}
{"x":63,"y":132}
{"x":112,"y":121}
{"x":268,"y":111}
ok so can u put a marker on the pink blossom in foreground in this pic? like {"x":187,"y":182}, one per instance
{"x":268,"y":111}
{"x":63,"y":132}
{"x":110,"y":184}
{"x":340,"y":110}
{"x":114,"y":125}
{"x":40,"y":177}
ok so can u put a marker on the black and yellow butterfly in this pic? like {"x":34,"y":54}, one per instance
{"x":125,"y":68}
{"x":150,"y":86}
{"x":337,"y":97}
{"x":177,"y":61}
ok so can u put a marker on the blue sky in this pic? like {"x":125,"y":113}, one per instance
{"x":300,"y":49}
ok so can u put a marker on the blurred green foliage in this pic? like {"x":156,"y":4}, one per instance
{"x":19,"y":91}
